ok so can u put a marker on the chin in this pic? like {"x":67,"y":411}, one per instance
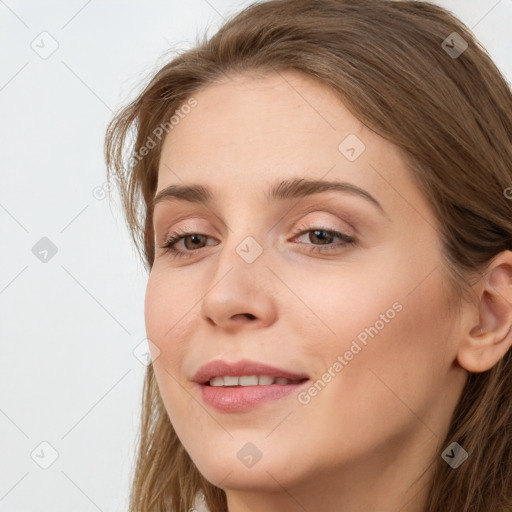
{"x":235,"y":477}
{"x":227,"y":469}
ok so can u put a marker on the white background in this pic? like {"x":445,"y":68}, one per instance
{"x":68,"y":374}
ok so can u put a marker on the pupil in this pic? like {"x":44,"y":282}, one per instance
{"x":321,"y":231}
{"x":194,"y":238}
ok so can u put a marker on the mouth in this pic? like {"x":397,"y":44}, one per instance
{"x":248,"y":397}
{"x":245,"y":372}
{"x":245,"y":385}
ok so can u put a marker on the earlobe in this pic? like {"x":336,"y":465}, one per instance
{"x":486,"y":341}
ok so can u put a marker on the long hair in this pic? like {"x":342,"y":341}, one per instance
{"x":401,"y":70}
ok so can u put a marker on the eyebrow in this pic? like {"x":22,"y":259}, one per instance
{"x":288,"y":189}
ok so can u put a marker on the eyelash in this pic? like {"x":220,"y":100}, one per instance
{"x":178,"y":235}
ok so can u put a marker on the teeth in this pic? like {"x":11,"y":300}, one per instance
{"x":217,"y":381}
{"x":248,"y":380}
{"x":230,"y":381}
{"x":265,"y":380}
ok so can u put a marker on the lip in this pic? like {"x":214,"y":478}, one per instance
{"x":244,"y":398}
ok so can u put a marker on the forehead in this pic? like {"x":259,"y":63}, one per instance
{"x":247,"y":114}
{"x":247,"y":131}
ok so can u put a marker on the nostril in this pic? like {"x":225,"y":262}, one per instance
{"x":249,"y":316}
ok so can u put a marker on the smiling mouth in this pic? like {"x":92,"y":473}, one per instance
{"x":245,"y":393}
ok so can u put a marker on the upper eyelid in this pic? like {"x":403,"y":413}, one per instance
{"x":303,"y":224}
{"x":347,"y":217}
{"x":301,"y":206}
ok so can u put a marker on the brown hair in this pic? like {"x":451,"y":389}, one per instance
{"x":452,"y":116}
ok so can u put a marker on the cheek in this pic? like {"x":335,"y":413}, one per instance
{"x":393,"y":337}
{"x":154,"y":306}
{"x":166,"y":305}
{"x":396,"y":376}
{"x":168,"y":321}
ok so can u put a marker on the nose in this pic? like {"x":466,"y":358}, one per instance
{"x":241,"y":296}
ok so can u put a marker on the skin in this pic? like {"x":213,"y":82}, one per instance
{"x":367,"y":440}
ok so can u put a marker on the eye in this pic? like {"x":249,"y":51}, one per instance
{"x":319,"y":235}
{"x":177,"y":236}
{"x":323,"y":237}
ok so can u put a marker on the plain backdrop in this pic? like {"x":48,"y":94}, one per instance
{"x":72,"y":353}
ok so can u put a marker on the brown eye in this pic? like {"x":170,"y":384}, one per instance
{"x":324,"y":237}
{"x":191,"y":242}
{"x":194,"y":240}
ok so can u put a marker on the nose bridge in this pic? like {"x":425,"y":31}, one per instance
{"x":240,"y":262}
{"x":244,"y":239}
{"x":237,"y":288}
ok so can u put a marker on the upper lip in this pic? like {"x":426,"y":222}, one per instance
{"x":220,"y":368}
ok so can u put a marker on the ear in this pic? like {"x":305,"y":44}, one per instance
{"x":487,"y":334}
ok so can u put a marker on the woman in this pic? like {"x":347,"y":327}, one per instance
{"x":321,"y":192}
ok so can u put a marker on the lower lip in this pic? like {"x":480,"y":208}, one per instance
{"x":244,"y":398}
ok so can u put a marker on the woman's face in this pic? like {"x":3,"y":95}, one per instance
{"x":265,"y":279}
